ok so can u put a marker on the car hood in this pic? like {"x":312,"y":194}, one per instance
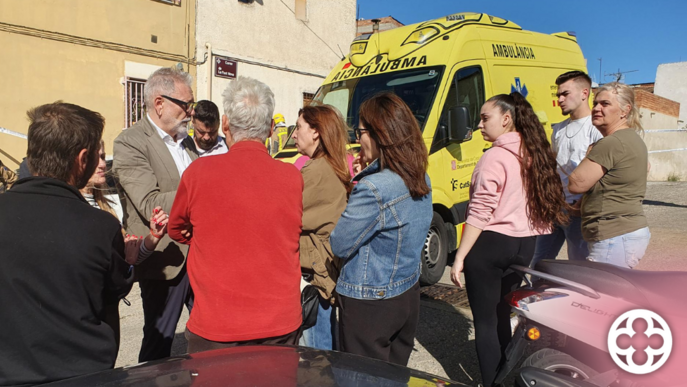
{"x":262,"y":366}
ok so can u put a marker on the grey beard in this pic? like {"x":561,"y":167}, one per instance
{"x":182,"y":128}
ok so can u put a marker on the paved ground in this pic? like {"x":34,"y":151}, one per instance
{"x":445,"y":342}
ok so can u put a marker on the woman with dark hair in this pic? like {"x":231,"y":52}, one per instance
{"x":515,"y":195}
{"x":381,"y":233}
{"x":137,"y":248}
{"x":93,"y":191}
{"x":321,"y":134}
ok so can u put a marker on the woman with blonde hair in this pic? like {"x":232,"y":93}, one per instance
{"x":321,"y":134}
{"x":613,"y":180}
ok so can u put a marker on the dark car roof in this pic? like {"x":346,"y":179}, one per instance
{"x":262,"y":366}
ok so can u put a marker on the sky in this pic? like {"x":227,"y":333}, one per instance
{"x":626,"y":34}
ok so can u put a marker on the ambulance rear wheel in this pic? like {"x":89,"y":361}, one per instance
{"x":434,"y":252}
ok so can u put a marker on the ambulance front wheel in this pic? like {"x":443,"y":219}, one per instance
{"x":434,"y":252}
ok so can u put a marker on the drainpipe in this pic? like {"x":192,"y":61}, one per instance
{"x":208,"y":55}
{"x":208,"y":47}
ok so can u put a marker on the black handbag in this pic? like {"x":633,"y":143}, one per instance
{"x":310,"y":298}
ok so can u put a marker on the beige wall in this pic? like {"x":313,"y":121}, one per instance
{"x":663,"y":164}
{"x":40,"y":67}
{"x":270,"y":36}
{"x":671,"y":83}
{"x":655,"y":120}
{"x":128,"y":22}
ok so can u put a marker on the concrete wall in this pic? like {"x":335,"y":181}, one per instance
{"x":655,"y":120}
{"x":656,"y":112}
{"x":80,"y":51}
{"x":289,"y":54}
{"x":671,"y":83}
{"x":665,"y":164}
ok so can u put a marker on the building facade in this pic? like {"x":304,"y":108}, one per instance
{"x":290,"y":45}
{"x":366,"y":26}
{"x":656,"y":112}
{"x":671,"y":83}
{"x":98,"y":54}
{"x":91,"y":53}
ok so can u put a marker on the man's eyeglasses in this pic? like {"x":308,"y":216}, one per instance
{"x":186,"y":106}
{"x":358,"y":132}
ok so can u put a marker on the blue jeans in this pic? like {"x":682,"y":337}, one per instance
{"x":624,"y":250}
{"x":548,"y":246}
{"x":323,"y":334}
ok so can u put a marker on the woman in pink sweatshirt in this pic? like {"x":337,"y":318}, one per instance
{"x":515,"y":195}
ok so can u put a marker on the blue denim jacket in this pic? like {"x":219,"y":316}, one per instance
{"x":380,"y":236}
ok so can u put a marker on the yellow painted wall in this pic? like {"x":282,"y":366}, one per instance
{"x":37,"y":70}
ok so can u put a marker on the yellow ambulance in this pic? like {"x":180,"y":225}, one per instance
{"x":445,"y":69}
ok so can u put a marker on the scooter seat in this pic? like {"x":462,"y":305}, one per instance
{"x":645,"y":288}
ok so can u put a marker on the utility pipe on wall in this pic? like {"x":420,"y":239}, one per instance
{"x":208,"y":47}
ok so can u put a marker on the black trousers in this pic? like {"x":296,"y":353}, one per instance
{"x":162,"y":305}
{"x":485,"y":266}
{"x":201,"y":344}
{"x":380,"y":329}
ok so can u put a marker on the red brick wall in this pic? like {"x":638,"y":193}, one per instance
{"x":644,"y":99}
{"x":385,"y":23}
{"x":384,"y":20}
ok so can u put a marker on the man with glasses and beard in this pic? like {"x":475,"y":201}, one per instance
{"x":62,"y":260}
{"x":149,"y":159}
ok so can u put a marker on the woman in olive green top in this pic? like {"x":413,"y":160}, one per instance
{"x":613,"y":180}
{"x":322,"y":134}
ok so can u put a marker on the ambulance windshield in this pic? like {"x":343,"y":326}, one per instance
{"x":416,"y":87}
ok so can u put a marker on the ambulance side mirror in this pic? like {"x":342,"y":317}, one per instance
{"x":459,"y":129}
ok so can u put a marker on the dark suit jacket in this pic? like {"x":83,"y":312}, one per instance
{"x":61,"y":265}
{"x":148,"y":177}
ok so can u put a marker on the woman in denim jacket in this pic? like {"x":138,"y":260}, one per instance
{"x":381,"y":233}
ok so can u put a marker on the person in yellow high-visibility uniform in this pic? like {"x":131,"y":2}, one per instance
{"x":278,"y":139}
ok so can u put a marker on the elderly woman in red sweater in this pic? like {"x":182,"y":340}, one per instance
{"x":243,"y":261}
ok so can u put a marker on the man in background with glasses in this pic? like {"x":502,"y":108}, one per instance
{"x":206,"y":136}
{"x":149,"y":159}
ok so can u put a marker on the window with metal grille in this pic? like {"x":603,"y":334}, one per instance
{"x":307,"y":98}
{"x":133,"y":97}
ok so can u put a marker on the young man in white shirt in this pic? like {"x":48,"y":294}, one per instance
{"x":570,"y":141}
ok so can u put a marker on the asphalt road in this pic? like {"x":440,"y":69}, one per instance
{"x":444,"y":344}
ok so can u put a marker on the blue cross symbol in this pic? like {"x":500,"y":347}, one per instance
{"x":522,"y":89}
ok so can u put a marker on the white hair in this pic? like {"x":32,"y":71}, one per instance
{"x":162,"y":82}
{"x":626,"y":98}
{"x":248,"y":105}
